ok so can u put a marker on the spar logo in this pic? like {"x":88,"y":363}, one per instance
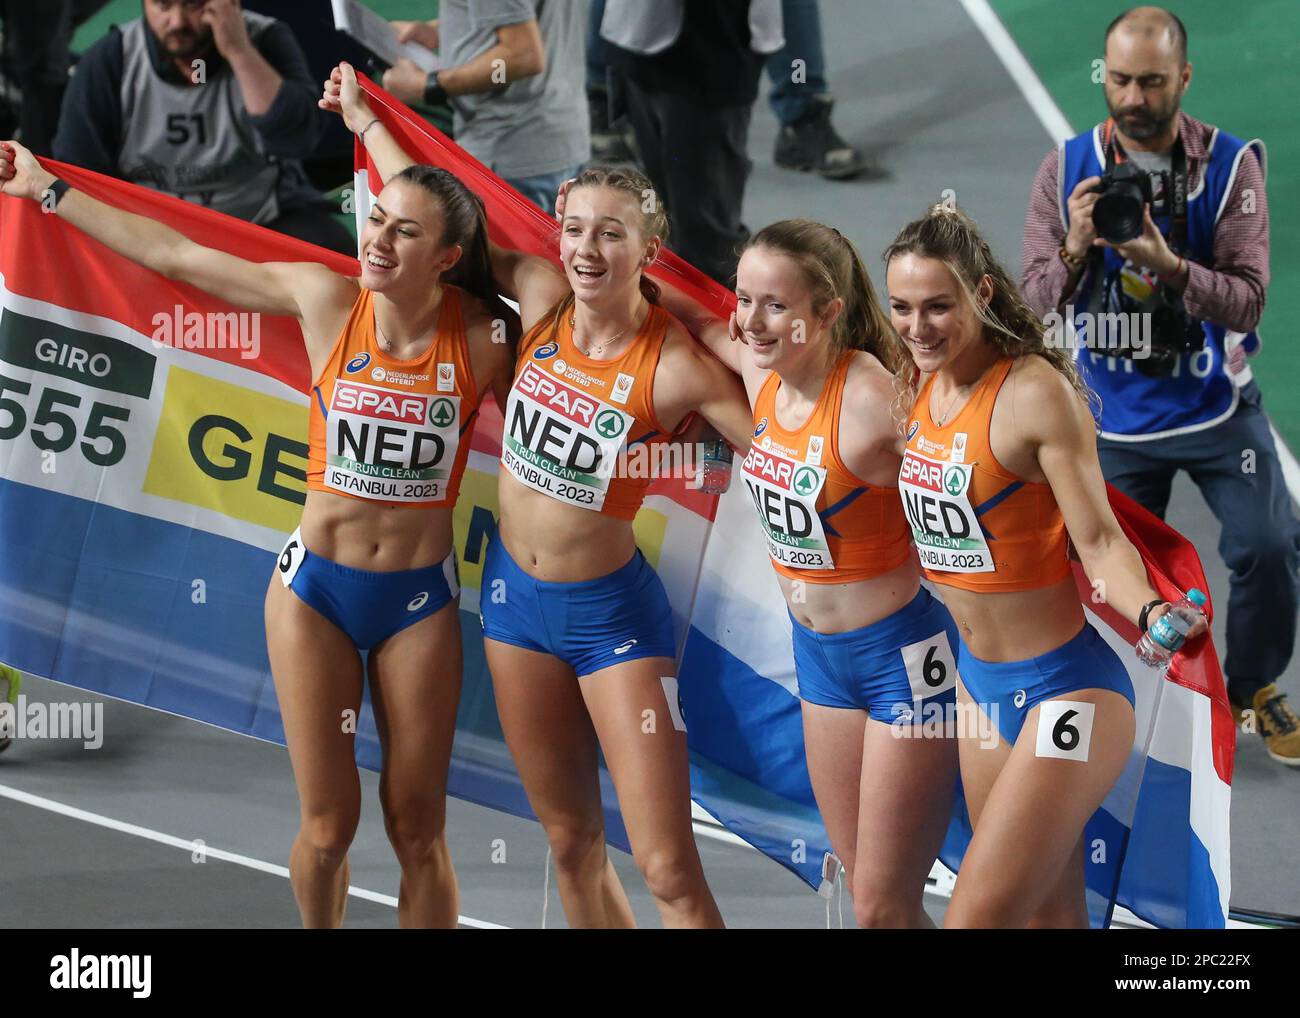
{"x":441,"y":413}
{"x":546,"y":351}
{"x":762,"y":427}
{"x":912,"y":429}
{"x":381,"y":404}
{"x":771,"y":468}
{"x":805,"y":481}
{"x":954,"y":481}
{"x":921,"y":472}
{"x":573,"y":404}
{"x":357,"y":363}
{"x":609,"y":424}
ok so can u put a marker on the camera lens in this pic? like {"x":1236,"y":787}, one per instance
{"x":1118,"y":212}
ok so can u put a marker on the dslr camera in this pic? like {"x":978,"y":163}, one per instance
{"x":1124,"y":191}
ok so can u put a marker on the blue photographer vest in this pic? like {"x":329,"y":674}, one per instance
{"x":1199,"y":393}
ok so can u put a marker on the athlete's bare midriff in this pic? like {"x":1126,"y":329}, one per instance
{"x":382,"y":538}
{"x":843,"y":607}
{"x":558,"y":543}
{"x":1017,"y":624}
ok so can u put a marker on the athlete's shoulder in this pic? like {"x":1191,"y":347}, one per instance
{"x":1044,"y":401}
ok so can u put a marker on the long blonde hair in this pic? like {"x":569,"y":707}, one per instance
{"x":1011,"y":326}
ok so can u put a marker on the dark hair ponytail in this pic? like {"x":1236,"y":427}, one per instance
{"x":464,"y":224}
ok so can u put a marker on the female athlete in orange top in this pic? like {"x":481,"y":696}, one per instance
{"x":579,"y":632}
{"x":999,"y":468}
{"x":371,"y":563}
{"x":874,"y":651}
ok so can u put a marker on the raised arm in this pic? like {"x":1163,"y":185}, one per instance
{"x":279,"y":288}
{"x":343,"y":95}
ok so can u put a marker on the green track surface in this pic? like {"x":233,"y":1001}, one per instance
{"x":1245,"y":78}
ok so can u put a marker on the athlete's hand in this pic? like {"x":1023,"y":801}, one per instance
{"x":20,"y":174}
{"x":423,"y":32}
{"x":228,"y":29}
{"x":562,"y":197}
{"x":1199,"y":628}
{"x":343,"y":95}
{"x":1082,"y":233}
{"x":406,"y":81}
{"x":735,"y":331}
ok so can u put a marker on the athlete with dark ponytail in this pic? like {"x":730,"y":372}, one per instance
{"x":408,"y":345}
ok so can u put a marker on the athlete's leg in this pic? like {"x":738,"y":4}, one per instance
{"x":318,"y":679}
{"x":1031,"y":819}
{"x":906,"y":800}
{"x":645,"y":751}
{"x":554,"y":748}
{"x":832,"y":739}
{"x":415,"y":687}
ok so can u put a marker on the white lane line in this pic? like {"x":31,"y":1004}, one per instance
{"x":189,"y":845}
{"x":1030,"y":85}
{"x":1290,"y":468}
{"x":1058,"y":127}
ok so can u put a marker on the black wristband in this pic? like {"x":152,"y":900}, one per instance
{"x":58,"y":188}
{"x":434,"y":94}
{"x":1146,"y":611}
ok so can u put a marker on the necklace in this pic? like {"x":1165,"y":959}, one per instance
{"x":597,"y":348}
{"x":942,"y":418}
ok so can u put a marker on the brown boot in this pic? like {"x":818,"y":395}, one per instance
{"x":1277,"y":724}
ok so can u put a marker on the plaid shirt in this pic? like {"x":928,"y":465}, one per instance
{"x":1231,"y":294}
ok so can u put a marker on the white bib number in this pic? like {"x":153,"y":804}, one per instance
{"x":560,"y":440}
{"x":936,"y":500}
{"x":394,"y":446}
{"x":1064,"y":729}
{"x":931,"y":667}
{"x":291,"y":557}
{"x":785,"y":493}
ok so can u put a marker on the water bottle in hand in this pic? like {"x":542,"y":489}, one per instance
{"x":715,"y":467}
{"x":1167,"y":633}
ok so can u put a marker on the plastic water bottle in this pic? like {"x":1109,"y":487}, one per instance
{"x":715,"y":466}
{"x":1167,"y":633}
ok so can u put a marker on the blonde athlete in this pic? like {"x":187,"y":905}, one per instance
{"x":999,"y":476}
{"x":399,"y":360}
{"x":874,"y":651}
{"x":578,"y":628}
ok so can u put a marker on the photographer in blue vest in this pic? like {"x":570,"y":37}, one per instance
{"x":211,"y":103}
{"x":1146,"y":247}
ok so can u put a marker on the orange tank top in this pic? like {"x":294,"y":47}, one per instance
{"x":388,"y":430}
{"x":823,"y":524}
{"x":574,"y":425}
{"x":976,"y":525}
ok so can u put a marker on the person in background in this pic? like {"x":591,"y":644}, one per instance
{"x":1199,"y":281}
{"x":801,"y":100}
{"x":690,"y":72}
{"x":513,"y":74}
{"x":207,"y":102}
